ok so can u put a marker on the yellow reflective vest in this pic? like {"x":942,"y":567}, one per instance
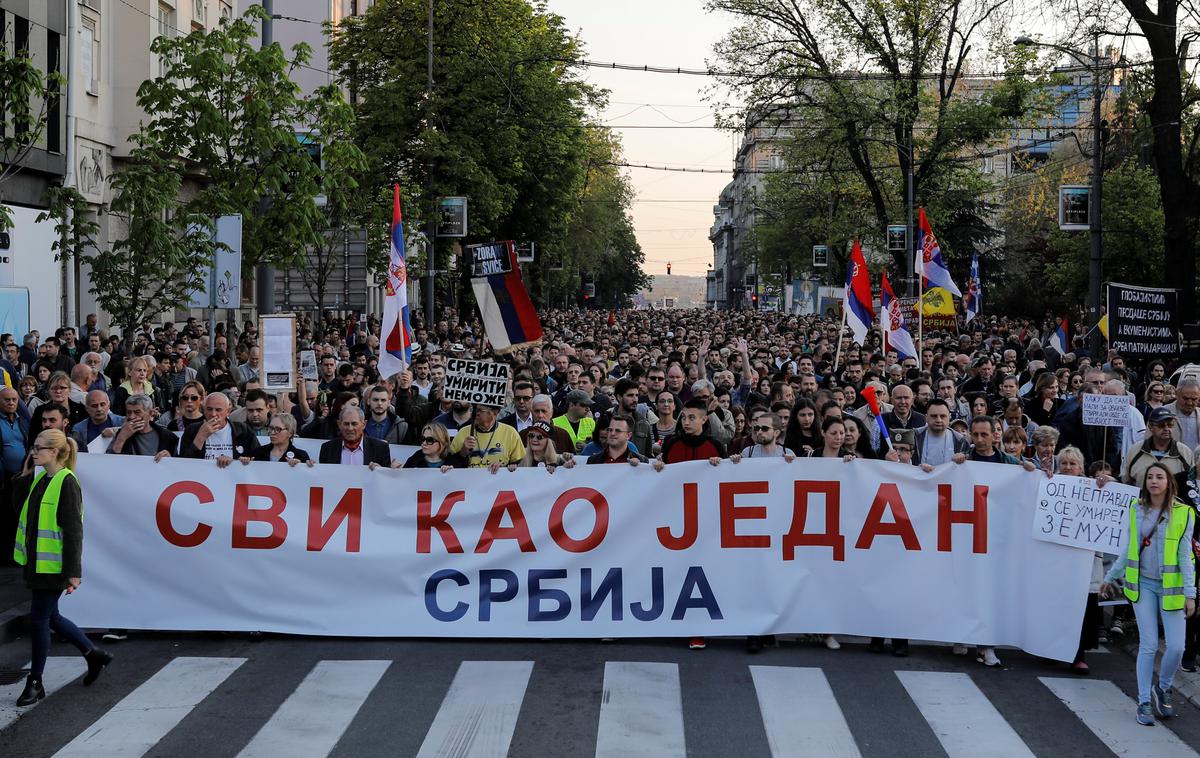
{"x":1179,"y":526}
{"x":48,"y":558}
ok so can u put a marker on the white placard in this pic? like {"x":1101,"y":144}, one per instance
{"x":278,"y":348}
{"x":1073,"y":511}
{"x":308,"y":365}
{"x":481,"y":382}
{"x":1105,"y":410}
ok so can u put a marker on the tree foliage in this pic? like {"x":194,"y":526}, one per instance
{"x":25,"y":97}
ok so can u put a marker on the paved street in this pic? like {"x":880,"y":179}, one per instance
{"x":201,"y":695}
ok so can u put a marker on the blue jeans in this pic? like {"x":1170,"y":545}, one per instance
{"x":44,"y":616}
{"x":1146,"y":610}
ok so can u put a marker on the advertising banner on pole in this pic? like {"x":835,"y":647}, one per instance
{"x":763,"y":546}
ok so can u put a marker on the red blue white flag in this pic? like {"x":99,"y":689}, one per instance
{"x":509,"y":318}
{"x":395,"y":331}
{"x":859,"y":313}
{"x":1059,"y":340}
{"x":891,"y":322}
{"x":930,"y":263}
{"x":973,"y":300}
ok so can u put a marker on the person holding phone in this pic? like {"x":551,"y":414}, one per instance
{"x":1159,"y":578}
{"x":49,"y":547}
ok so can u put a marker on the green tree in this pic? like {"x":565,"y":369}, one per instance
{"x":25,"y":97}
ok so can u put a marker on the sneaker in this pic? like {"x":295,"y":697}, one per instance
{"x":1103,"y":638}
{"x":1116,"y":628}
{"x":1188,"y":665}
{"x":1161,"y":699}
{"x":1145,"y":715}
{"x":987,"y":656}
{"x":832,"y":643}
{"x":115,"y":635}
{"x":697,"y":643}
{"x":960,"y":649}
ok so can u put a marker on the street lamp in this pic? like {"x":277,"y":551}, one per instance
{"x":1096,"y":259}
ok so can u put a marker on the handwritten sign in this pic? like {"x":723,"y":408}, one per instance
{"x":480,"y":382}
{"x":1075,"y":512}
{"x":1105,"y":410}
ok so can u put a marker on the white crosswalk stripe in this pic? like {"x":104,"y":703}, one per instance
{"x":144,"y":716}
{"x":964,"y":720}
{"x":641,"y":711}
{"x":1108,"y":712}
{"x":312,"y":719}
{"x":800,"y":713}
{"x":59,"y":672}
{"x":479,"y":714}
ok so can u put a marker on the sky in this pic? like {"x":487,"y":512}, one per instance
{"x":672,"y":213}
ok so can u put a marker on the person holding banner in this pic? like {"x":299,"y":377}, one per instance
{"x":353,"y":447}
{"x":1157,"y":572}
{"x":434,"y":451}
{"x":217,"y":438}
{"x":49,"y":545}
{"x":484,"y":443}
{"x":540,"y":449}
{"x":833,"y":439}
{"x":281,"y":430}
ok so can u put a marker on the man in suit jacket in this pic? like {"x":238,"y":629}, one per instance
{"x":353,"y":446}
{"x":216,"y":437}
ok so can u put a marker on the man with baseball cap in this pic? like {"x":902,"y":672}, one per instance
{"x":1159,"y":446}
{"x":577,"y":420}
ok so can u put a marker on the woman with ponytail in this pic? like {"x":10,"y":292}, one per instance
{"x":49,"y":546}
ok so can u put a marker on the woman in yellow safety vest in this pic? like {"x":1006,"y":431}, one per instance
{"x":1159,"y":577}
{"x":49,"y":546}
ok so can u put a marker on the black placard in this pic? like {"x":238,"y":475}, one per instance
{"x":489,"y":259}
{"x":1143,"y":321}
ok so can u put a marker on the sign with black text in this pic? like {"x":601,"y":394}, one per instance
{"x":491,"y":258}
{"x":481,"y":382}
{"x":1105,"y":410}
{"x":1073,"y":511}
{"x":1143,"y":321}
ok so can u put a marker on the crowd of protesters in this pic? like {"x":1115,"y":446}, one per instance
{"x":633,"y":387}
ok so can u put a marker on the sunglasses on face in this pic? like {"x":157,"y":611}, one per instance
{"x":763,"y":428}
{"x":37,"y":448}
{"x":190,"y":398}
{"x":533,"y":437}
{"x":428,"y":441}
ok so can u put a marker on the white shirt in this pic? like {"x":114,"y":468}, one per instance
{"x":352,"y":457}
{"x":938,"y":449}
{"x":219,"y":443}
{"x":1189,"y":429}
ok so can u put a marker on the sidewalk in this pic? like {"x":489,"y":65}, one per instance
{"x":1186,"y":685}
{"x":14,"y":602}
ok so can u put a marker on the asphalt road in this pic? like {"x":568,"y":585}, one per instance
{"x":222,"y":695}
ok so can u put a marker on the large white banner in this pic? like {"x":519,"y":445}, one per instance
{"x":764,"y":546}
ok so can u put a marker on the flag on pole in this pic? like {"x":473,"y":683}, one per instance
{"x":930,"y":264}
{"x":891,"y":323}
{"x":508,"y":315}
{"x":859,"y":313}
{"x":881,"y":429}
{"x":397,"y":334}
{"x":1058,"y":340}
{"x":973,"y":300}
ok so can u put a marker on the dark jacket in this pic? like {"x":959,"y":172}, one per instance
{"x":70,"y":522}
{"x":602,"y":456}
{"x":244,"y":441}
{"x":374,"y":451}
{"x":417,"y":460}
{"x":960,"y":444}
{"x":685,"y":447}
{"x":75,"y":410}
{"x":321,"y":429}
{"x":263,"y":453}
{"x":166,"y":441}
{"x":399,"y":431}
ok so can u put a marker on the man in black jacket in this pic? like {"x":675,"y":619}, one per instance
{"x":353,"y":446}
{"x":139,"y":435}
{"x":216,"y":437}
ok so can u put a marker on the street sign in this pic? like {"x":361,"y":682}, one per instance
{"x":222,"y":286}
{"x":1074,"y":208}
{"x":897,"y":238}
{"x":820,"y":256}
{"x":453,"y":222}
{"x":525,"y":252}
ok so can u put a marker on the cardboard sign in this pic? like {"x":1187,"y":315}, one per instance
{"x":308,"y":365}
{"x":278,"y":333}
{"x":480,"y":382}
{"x":1073,"y":511}
{"x":1105,"y":410}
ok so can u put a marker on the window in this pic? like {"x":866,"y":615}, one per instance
{"x":89,"y":55}
{"x":226,"y":11}
{"x":20,"y":35}
{"x":199,"y":14}
{"x":166,"y":28}
{"x":989,"y":165}
{"x":53,"y":101}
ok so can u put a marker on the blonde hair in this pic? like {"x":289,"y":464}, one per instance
{"x":551,"y":455}
{"x":1072,"y":453}
{"x":439,"y":433}
{"x":66,"y":449}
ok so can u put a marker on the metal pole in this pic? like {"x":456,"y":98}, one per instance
{"x":431,"y":224}
{"x":1096,"y":262}
{"x":264,"y":276}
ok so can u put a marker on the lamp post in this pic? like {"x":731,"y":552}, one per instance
{"x":1096,"y":259}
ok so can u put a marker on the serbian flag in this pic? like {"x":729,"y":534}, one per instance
{"x":891,"y":323}
{"x":396,"y":333}
{"x":859,"y":313}
{"x":508,"y":315}
{"x":1059,"y":340}
{"x":881,"y":429}
{"x":930,"y":263}
{"x":973,"y":300}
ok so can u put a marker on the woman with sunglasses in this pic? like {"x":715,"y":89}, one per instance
{"x":1155,"y":397}
{"x":435,"y":450}
{"x":188,"y":407}
{"x":281,"y":430}
{"x":540,"y":450}
{"x":49,"y":547}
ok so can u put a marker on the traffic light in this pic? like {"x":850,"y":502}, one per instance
{"x":668,"y":268}
{"x":754,"y":299}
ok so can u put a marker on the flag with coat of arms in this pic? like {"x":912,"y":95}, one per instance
{"x":891,"y":322}
{"x":931,"y":266}
{"x":395,"y":331}
{"x":859,"y":313}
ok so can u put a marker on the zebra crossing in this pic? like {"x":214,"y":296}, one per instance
{"x":640,"y":711}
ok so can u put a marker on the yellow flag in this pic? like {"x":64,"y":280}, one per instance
{"x":1103,"y":325}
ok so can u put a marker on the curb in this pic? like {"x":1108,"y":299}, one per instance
{"x":1186,"y":685}
{"x":14,"y":622}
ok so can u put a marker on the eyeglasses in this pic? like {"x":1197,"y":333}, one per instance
{"x":428,"y":441}
{"x":533,"y":437}
{"x":189,"y":398}
{"x":276,"y":429}
{"x":763,"y":428}
{"x":523,"y":397}
{"x":36,"y":448}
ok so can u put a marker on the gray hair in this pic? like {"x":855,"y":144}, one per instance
{"x":140,"y":401}
{"x":1188,"y":383}
{"x":701,"y":385}
{"x":1045,"y":434}
{"x":542,"y":400}
{"x":287,"y":420}
{"x":348,"y":408}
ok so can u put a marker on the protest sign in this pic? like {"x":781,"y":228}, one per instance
{"x":308,"y":365}
{"x":1105,"y":410}
{"x":481,"y":382}
{"x":489,"y":259}
{"x":1075,"y":512}
{"x":278,"y":352}
{"x":864,"y":548}
{"x":1143,"y":321}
